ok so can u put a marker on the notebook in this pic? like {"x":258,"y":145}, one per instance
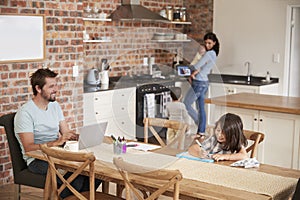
{"x":190,"y":157}
{"x":91,"y":135}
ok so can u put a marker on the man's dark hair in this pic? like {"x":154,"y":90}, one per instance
{"x":39,"y":78}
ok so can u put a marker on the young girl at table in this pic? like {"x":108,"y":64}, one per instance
{"x":227,"y":143}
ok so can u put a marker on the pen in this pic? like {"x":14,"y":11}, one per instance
{"x":202,"y":148}
{"x":114,"y":139}
{"x":132,"y":145}
{"x":198,"y":143}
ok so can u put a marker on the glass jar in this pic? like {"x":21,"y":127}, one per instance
{"x":169,"y":11}
{"x":176,"y":14}
{"x":183,"y":14}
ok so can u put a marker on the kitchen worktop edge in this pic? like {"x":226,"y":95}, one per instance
{"x":272,"y":103}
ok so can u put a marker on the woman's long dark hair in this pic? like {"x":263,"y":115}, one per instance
{"x":214,"y":38}
{"x":232,"y":128}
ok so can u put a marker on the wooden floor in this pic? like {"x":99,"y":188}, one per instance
{"x":8,"y":191}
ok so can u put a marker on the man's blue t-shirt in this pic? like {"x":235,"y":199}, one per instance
{"x":44,"y":124}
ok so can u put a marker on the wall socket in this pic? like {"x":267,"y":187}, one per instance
{"x":75,"y":70}
{"x":276,"y":58}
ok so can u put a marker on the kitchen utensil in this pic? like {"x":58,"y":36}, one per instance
{"x":93,"y":77}
{"x":104,"y":77}
{"x":107,"y":67}
{"x":103,"y":64}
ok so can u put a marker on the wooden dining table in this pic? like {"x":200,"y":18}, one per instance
{"x":190,"y":187}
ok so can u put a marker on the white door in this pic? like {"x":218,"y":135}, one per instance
{"x":294,"y":52}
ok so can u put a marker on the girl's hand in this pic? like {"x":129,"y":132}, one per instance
{"x":220,"y":157}
{"x":197,"y":151}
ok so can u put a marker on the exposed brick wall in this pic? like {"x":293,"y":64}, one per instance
{"x":63,"y":48}
{"x":131,"y":41}
{"x":200,"y":13}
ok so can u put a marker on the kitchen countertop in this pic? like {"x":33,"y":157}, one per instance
{"x":127,"y":81}
{"x":241,"y":80}
{"x":273,"y":103}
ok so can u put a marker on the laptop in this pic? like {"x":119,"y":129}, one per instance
{"x":91,"y":135}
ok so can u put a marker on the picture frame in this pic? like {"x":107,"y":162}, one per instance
{"x":22,"y":38}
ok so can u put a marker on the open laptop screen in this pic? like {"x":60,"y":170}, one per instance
{"x":91,"y":135}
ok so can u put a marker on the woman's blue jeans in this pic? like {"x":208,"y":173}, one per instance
{"x":81,"y":183}
{"x":197,"y":93}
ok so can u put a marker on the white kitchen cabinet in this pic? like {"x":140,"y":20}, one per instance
{"x":222,"y":89}
{"x":115,"y":106}
{"x":282,"y":135}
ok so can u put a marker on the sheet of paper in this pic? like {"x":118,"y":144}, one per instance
{"x":143,"y":146}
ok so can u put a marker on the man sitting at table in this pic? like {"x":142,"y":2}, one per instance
{"x":40,"y":121}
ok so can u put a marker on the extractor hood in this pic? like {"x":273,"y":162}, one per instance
{"x":131,"y":10}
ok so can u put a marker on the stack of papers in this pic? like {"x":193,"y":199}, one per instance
{"x":142,"y":146}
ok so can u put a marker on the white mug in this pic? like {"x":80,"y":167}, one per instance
{"x":71,"y":146}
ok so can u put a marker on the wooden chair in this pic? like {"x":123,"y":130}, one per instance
{"x":84,"y":160}
{"x":257,"y":138}
{"x":150,"y":123}
{"x":165,"y":179}
{"x":22,"y":176}
{"x":296,"y":194}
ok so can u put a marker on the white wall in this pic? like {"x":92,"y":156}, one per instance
{"x":252,"y":30}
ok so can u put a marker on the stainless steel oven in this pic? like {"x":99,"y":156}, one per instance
{"x":151,"y":99}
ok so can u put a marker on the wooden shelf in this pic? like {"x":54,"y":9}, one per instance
{"x":175,"y":22}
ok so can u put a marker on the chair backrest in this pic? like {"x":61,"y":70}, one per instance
{"x":21,"y":173}
{"x":180,"y":127}
{"x":296,"y":195}
{"x":165,"y":179}
{"x":83,"y":159}
{"x":257,"y":138}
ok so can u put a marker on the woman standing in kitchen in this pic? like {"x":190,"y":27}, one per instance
{"x":199,"y":82}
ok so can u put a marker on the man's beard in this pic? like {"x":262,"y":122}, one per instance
{"x":50,"y":98}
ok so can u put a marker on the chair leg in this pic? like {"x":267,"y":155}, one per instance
{"x":17,"y":191}
{"x":105,"y":187}
{"x":119,"y":189}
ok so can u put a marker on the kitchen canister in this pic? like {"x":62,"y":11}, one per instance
{"x":183,"y":14}
{"x":169,"y":11}
{"x":176,"y":14}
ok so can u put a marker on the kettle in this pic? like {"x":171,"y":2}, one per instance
{"x":93,"y":77}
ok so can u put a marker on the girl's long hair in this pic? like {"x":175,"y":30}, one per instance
{"x":232,"y":128}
